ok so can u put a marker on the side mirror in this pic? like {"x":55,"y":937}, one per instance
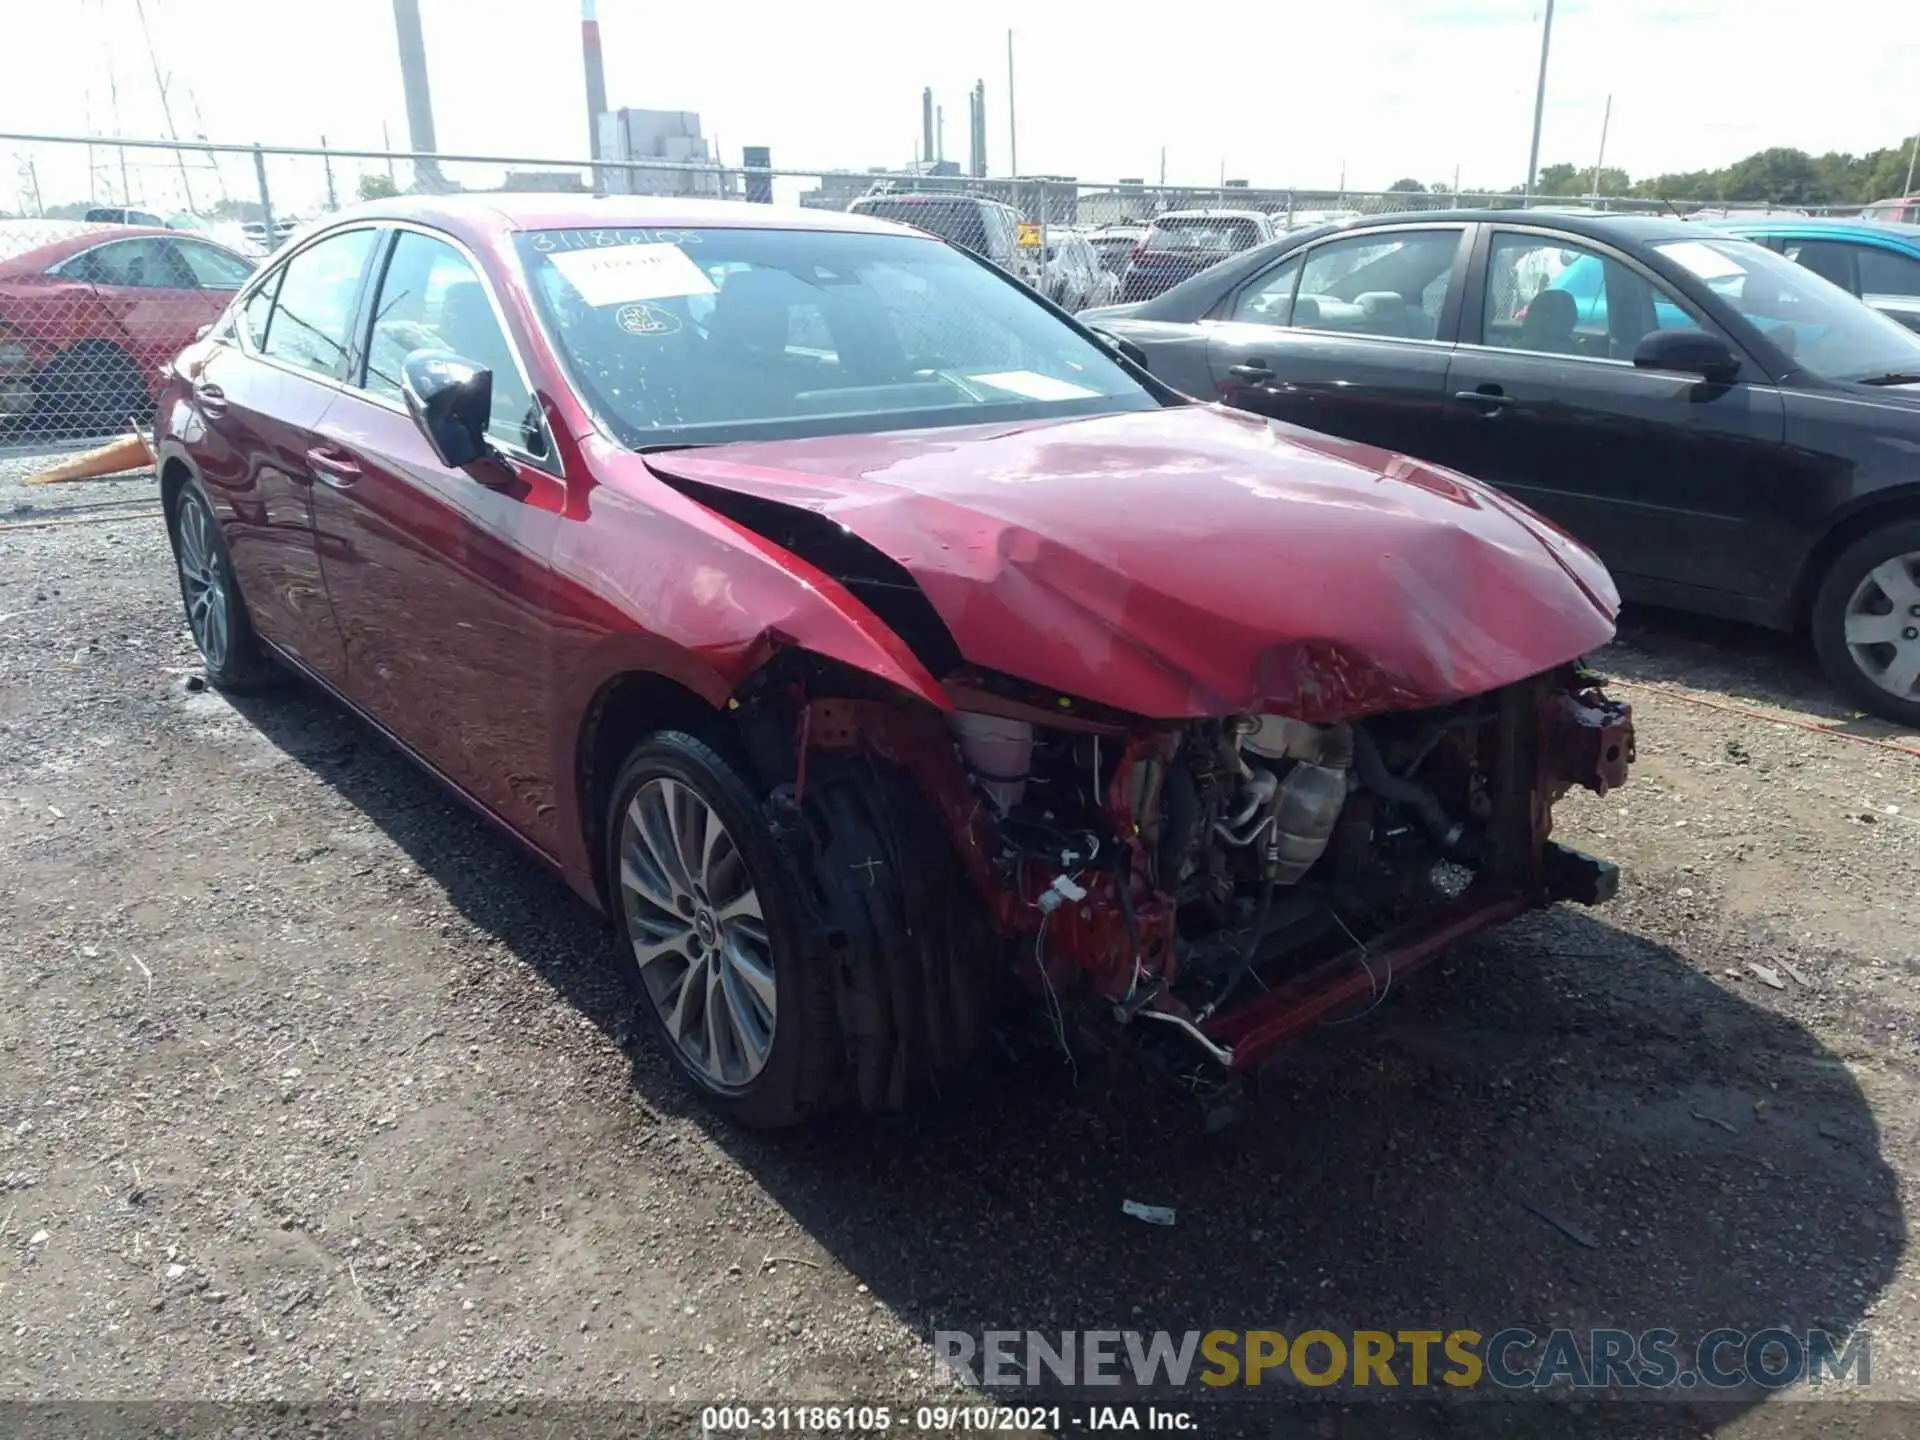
{"x":451,"y":400}
{"x":1120,"y":346}
{"x":1691,"y":352}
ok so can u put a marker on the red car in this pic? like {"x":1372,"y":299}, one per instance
{"x":90,"y":314}
{"x":875,"y":646}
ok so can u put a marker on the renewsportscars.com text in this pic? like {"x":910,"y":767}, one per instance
{"x":1514,"y":1358}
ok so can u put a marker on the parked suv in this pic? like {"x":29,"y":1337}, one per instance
{"x":1185,"y":242}
{"x":988,"y":228}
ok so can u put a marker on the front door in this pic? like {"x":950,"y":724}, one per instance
{"x":1662,"y":474}
{"x":1350,"y":338}
{"x":439,"y":577}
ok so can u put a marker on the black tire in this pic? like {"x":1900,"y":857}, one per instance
{"x":90,"y":391}
{"x":1828,"y":620}
{"x":799,"y":1077}
{"x":235,"y":661}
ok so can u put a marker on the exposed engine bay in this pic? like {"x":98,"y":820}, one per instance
{"x":1238,"y":879}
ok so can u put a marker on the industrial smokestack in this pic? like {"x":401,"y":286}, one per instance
{"x":413,"y":79}
{"x":926,"y":124}
{"x":979,"y":147}
{"x":596,"y":80}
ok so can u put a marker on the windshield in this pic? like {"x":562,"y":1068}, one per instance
{"x":1817,"y":324}
{"x":677,"y":337}
{"x":1197,"y":232}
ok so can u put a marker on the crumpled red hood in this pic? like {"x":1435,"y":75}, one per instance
{"x":1197,"y":560}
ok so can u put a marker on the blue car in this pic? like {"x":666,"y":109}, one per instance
{"x":1876,"y":260}
{"x":1584,"y":279}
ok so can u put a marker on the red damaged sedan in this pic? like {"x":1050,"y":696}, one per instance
{"x":871,"y":643}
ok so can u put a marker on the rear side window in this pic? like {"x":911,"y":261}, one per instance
{"x":431,"y":299}
{"x":313,"y":314}
{"x":1392,"y":284}
{"x":212,"y":267}
{"x":1213,"y":236}
{"x":1887,"y":272}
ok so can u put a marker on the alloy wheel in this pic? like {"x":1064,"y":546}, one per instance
{"x":694,"y":917}
{"x":1882,"y":626}
{"x":203,"y":582}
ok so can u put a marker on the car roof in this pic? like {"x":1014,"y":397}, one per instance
{"x":1595,"y":224}
{"x":1211,"y":215}
{"x":1907,"y":236}
{"x":51,"y":240}
{"x":492,"y":214}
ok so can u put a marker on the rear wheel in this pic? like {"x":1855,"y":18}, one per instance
{"x":1866,"y":622}
{"x":216,"y":613}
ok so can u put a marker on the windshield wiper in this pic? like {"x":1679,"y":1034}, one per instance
{"x":1893,"y":377}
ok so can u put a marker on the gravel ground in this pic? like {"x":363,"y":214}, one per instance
{"x":311,"y":1086}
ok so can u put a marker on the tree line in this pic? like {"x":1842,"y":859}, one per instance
{"x":1780,"y":176}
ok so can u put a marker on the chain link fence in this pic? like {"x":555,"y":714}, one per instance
{"x":115,"y":253}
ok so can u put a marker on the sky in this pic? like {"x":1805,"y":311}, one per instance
{"x":1274,"y":93}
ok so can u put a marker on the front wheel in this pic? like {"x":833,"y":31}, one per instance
{"x":1866,"y":622}
{"x":705,"y":910}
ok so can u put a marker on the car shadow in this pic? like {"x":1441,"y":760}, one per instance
{"x":1562,"y":1123}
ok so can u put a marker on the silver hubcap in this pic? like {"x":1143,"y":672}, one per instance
{"x":698,"y":933}
{"x":203,"y":582}
{"x":1883,"y":626}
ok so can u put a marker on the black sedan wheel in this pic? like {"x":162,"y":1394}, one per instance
{"x":1866,"y":622}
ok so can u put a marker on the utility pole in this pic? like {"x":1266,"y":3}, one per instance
{"x":326,"y":159}
{"x":1913,"y":148}
{"x":1606,"y":119}
{"x":1540,"y":98}
{"x":1013,"y":141}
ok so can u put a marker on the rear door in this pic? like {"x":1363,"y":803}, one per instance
{"x":1665,"y":476}
{"x":1350,"y":337}
{"x":439,"y":577}
{"x":260,"y":395}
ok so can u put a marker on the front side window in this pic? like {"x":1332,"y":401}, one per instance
{"x":1393,"y":284}
{"x":431,"y":299}
{"x":1819,"y":326}
{"x":213,"y":268}
{"x":705,"y":336}
{"x":313,"y":314}
{"x":1552,"y":296}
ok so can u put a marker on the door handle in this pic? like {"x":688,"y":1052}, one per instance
{"x":211,"y":397}
{"x":332,"y":467}
{"x":1490,"y":399}
{"x":1254,"y":372}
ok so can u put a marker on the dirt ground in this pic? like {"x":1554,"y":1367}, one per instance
{"x":312,"y":1086}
